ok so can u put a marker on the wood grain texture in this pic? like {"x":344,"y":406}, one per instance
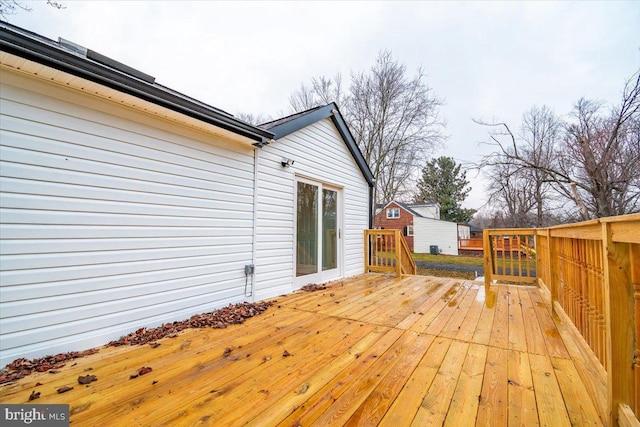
{"x":360,"y":354}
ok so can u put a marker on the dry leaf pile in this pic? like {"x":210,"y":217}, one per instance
{"x":312,"y":287}
{"x":221,"y":318}
{"x":21,"y":368}
{"x":230,"y":315}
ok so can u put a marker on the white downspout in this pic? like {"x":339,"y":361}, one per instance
{"x":254,"y":244}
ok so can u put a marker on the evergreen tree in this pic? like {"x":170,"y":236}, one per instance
{"x":444,"y":182}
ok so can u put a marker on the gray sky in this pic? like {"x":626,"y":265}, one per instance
{"x":488,"y":60}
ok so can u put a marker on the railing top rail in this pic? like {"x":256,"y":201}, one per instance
{"x":609,"y":219}
{"x":511,"y":231}
{"x":381,"y":231}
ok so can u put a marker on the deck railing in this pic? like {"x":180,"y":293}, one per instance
{"x":473,"y":244}
{"x":386,"y":251}
{"x":591,"y":272}
{"x":510,"y":255}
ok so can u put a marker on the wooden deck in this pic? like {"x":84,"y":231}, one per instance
{"x":370,"y":350}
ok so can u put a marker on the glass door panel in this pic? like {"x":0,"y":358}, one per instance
{"x":307,"y":230}
{"x":329,"y":229}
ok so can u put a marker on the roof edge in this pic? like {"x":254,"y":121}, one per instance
{"x":303,"y":119}
{"x":31,"y":46}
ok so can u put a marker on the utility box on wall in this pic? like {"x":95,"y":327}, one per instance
{"x":433,"y":250}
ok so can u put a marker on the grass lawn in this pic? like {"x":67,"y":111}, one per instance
{"x":466,"y":275}
{"x":449,"y":259}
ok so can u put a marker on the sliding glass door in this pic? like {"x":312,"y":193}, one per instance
{"x":318,"y":232}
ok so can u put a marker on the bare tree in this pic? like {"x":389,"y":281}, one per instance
{"x":322,"y":91}
{"x":525,"y":191}
{"x":254,"y":119}
{"x":510,"y":192}
{"x":394,"y":118}
{"x":595,"y":163}
{"x":602,"y":155}
{"x":11,"y":7}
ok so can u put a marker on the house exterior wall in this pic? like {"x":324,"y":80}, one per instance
{"x":113,"y":219}
{"x":406,"y":219}
{"x":429,"y":232}
{"x":319,"y":154}
{"x":427,"y":211}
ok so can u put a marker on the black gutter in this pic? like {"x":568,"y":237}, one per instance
{"x":49,"y":54}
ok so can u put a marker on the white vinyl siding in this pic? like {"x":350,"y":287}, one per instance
{"x":114,"y":220}
{"x":428,"y":232}
{"x":320,"y":155}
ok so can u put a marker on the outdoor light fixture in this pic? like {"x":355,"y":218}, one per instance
{"x":286,"y":162}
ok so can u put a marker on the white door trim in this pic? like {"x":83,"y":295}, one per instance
{"x":319,"y":276}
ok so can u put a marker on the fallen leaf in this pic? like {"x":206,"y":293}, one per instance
{"x":286,"y":354}
{"x":154,"y":345}
{"x":312,"y":287}
{"x":227,"y":352}
{"x":64,"y":389}
{"x":87,"y":379}
{"x":34,"y":395}
{"x":144,"y":370}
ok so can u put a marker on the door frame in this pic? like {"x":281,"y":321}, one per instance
{"x":319,"y":276}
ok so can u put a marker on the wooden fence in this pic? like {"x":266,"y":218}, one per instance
{"x":386,"y":251}
{"x":591,"y":273}
{"x":474,"y":244}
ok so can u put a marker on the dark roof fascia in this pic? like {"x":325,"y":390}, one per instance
{"x":408,"y":209}
{"x":301,"y":120}
{"x":344,"y":131}
{"x":29,"y":46}
{"x":288,"y":125}
{"x":286,"y":119}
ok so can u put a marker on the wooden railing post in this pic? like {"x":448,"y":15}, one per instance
{"x":367,"y":250}
{"x":553,"y":265}
{"x":398,"y":246}
{"x":488,"y":254}
{"x":619,"y":324}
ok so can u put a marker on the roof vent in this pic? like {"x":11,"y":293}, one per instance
{"x":105,"y":60}
{"x":72,"y":46}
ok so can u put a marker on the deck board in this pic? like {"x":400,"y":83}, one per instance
{"x":370,"y":350}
